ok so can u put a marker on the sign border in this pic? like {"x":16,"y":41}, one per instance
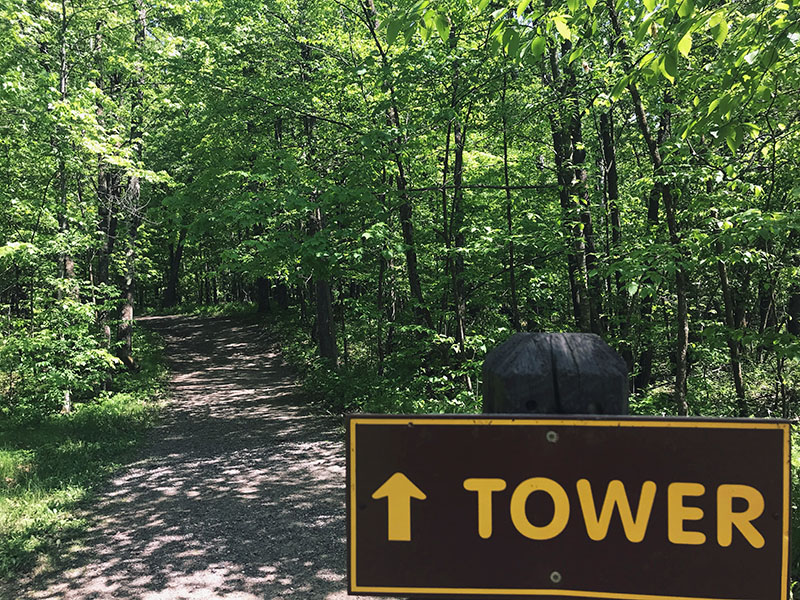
{"x":351,"y":420}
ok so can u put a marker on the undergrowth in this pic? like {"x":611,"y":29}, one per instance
{"x":50,"y":466}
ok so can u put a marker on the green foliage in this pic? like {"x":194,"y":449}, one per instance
{"x":39,"y":360}
{"x":49,"y":468}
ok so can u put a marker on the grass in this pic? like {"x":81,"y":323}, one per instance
{"x":50,"y":469}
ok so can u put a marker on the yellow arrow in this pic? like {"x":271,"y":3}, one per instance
{"x":398,"y":490}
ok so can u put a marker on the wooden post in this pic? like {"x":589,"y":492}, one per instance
{"x":555,"y":373}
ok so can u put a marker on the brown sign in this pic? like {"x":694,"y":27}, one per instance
{"x":625,"y":508}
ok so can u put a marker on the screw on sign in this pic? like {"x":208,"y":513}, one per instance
{"x":621,"y":508}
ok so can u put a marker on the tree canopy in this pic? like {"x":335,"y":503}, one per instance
{"x":410,"y":183}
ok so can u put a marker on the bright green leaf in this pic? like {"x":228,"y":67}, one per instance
{"x":562,"y":27}
{"x":734,"y":138}
{"x":522,"y":6}
{"x":442,"y":26}
{"x":647,"y":59}
{"x":537,"y":46}
{"x":619,"y":87}
{"x":669,"y":67}
{"x":686,"y":8}
{"x":642,"y":30}
{"x":590,"y":4}
{"x":720,"y":32}
{"x":685,"y":45}
{"x":425,"y":32}
{"x":499,"y":13}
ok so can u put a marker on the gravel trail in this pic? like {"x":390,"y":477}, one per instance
{"x":238,"y":494}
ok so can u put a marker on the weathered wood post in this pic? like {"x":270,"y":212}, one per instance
{"x":555,"y":373}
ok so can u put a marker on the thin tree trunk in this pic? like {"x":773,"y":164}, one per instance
{"x":171,"y":296}
{"x":66,"y":265}
{"x":405,"y":210}
{"x":512,"y":277}
{"x":734,"y":346}
{"x":587,"y":259}
{"x":326,"y":335}
{"x":681,"y":285}
{"x":611,"y":186}
{"x":133,"y":196}
{"x":566,"y":155}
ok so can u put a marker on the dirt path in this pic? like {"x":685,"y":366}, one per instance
{"x":238,"y":494}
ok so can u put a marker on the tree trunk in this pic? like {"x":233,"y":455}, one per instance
{"x":611,"y":186}
{"x":457,"y":223}
{"x":134,"y":208}
{"x":171,"y":295}
{"x":731,"y":322}
{"x":565,"y":130}
{"x":323,"y":296}
{"x":681,"y":285}
{"x":512,"y":277}
{"x":262,"y":294}
{"x":405,"y":210}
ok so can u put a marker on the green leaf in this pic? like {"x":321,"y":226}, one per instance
{"x":573,"y":5}
{"x":499,"y":13}
{"x":616,"y":91}
{"x":522,"y":6}
{"x":425,"y":31}
{"x":392,"y":29}
{"x":647,"y":59}
{"x":575,"y":54}
{"x":643,"y":29}
{"x":442,"y":26}
{"x":590,"y":4}
{"x":513,"y":45}
{"x":409,"y":32}
{"x":649,"y":5}
{"x":686,"y":8}
{"x":507,"y":37}
{"x":537,"y":46}
{"x":562,"y":27}
{"x":733,"y":138}
{"x":483,"y":4}
{"x":720,"y":32}
{"x":669,"y":67}
{"x":685,"y":45}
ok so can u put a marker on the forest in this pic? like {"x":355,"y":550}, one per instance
{"x":397,"y":187}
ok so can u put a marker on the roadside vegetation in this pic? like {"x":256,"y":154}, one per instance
{"x":51,"y":465}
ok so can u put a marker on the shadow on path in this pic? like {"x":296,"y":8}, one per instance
{"x":238,"y":494}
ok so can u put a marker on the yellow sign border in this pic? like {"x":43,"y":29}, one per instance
{"x":588,"y":422}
